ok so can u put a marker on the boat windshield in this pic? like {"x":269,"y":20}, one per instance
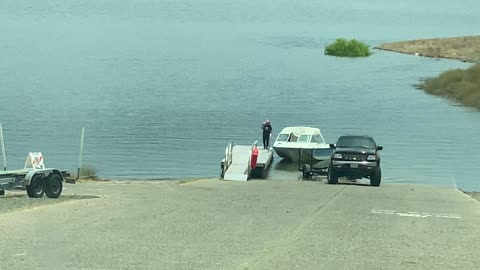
{"x":317,"y":139}
{"x":282,"y":137}
{"x":352,"y":141}
{"x":303,"y":138}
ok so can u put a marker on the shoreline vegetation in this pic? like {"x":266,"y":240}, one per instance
{"x":459,"y":85}
{"x":347,"y":48}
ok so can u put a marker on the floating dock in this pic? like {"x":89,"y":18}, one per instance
{"x":236,"y":166}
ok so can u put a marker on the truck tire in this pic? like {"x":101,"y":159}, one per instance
{"x":307,"y":171}
{"x":2,"y":192}
{"x":376,"y":178}
{"x":36,"y":189}
{"x":332,"y":177}
{"x":53,"y":186}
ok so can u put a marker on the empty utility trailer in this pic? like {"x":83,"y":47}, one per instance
{"x":35,"y":178}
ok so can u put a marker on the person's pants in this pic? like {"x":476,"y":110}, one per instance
{"x":266,"y":141}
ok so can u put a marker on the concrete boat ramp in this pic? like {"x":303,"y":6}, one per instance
{"x":237,"y":164}
{"x":267,"y":224}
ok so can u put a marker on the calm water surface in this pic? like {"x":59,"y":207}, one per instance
{"x":163,"y":86}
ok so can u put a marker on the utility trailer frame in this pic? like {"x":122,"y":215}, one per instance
{"x":34,"y":177}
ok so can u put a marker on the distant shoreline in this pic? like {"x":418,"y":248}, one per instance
{"x":459,"y":85}
{"x":465,"y":48}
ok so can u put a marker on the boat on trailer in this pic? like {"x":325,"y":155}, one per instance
{"x":300,"y":142}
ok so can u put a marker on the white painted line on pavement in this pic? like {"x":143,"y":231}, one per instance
{"x":414,"y":214}
{"x":386,"y":212}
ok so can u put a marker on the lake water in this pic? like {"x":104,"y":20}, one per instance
{"x":163,"y":86}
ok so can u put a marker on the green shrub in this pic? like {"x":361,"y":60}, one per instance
{"x":347,"y":48}
{"x":458,"y":85}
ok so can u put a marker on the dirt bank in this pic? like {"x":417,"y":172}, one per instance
{"x":465,"y":48}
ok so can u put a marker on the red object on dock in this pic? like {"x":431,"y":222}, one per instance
{"x":253,"y":160}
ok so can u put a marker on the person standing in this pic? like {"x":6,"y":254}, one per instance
{"x":267,"y":133}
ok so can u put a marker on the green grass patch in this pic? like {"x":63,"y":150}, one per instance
{"x":88,"y":171}
{"x":461,"y":85}
{"x":347,"y":48}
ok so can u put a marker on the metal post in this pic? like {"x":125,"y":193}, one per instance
{"x":81,"y":149}
{"x":3,"y":148}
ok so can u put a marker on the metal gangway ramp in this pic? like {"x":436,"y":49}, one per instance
{"x":236,"y":166}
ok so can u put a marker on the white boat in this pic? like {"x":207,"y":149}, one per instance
{"x":291,"y":139}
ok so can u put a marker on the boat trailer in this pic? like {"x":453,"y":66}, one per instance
{"x":311,"y":167}
{"x":35,"y":178}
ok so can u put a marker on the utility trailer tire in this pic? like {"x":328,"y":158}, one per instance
{"x":53,"y":186}
{"x":36,"y":189}
{"x":307,"y":171}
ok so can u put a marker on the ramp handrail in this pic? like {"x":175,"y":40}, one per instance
{"x":249,"y":170}
{"x":228,"y":156}
{"x":3,"y":148}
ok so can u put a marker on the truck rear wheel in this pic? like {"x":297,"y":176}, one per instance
{"x":376,"y":178}
{"x":36,"y":189}
{"x":53,"y":186}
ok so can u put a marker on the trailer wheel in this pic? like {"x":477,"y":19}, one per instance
{"x":36,"y":189}
{"x":307,"y":171}
{"x":53,"y":186}
{"x":2,"y":192}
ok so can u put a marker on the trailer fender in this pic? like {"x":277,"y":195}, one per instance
{"x":44,"y":172}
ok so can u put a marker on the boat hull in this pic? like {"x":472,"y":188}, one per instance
{"x":306,"y":155}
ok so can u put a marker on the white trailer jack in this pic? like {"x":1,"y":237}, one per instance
{"x":34,"y":177}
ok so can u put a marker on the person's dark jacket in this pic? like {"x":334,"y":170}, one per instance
{"x":267,"y":129}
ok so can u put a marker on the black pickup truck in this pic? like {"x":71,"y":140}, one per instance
{"x":355,"y":157}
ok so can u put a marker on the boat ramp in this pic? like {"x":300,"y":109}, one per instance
{"x":239,"y":163}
